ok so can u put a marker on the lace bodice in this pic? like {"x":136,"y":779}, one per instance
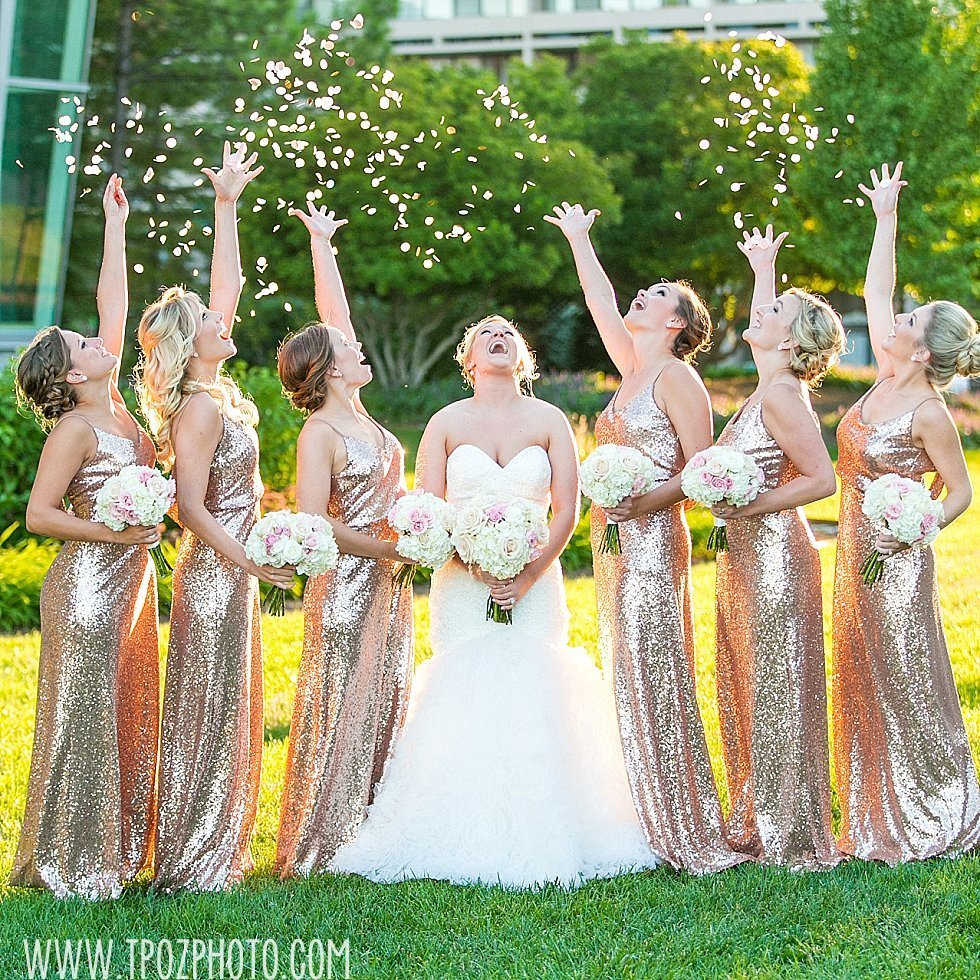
{"x":472,"y":474}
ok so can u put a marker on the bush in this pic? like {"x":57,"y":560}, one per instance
{"x":21,"y":439}
{"x":22,"y":572}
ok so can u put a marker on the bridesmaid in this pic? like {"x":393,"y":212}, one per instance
{"x":211,"y":744}
{"x":907,"y":782}
{"x":772,"y":695}
{"x":90,"y":800}
{"x":357,"y":652}
{"x":644,"y":595}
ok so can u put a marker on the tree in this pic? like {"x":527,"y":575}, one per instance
{"x":907,"y":72}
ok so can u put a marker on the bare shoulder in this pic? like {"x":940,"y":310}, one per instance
{"x":683,"y":381}
{"x":451,"y":413}
{"x":72,"y":431}
{"x":199,"y":415}
{"x":545,"y":412}
{"x":933,"y":417}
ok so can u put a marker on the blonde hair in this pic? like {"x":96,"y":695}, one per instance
{"x":526,"y":370}
{"x":695,"y":335}
{"x":953,"y":343}
{"x":166,"y":336}
{"x":819,"y":335}
{"x":42,"y":370}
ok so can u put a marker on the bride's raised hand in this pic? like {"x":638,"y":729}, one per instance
{"x":572,"y":219}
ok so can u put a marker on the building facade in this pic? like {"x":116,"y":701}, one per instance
{"x":44,"y":55}
{"x":490,"y":32}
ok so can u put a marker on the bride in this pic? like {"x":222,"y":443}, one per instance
{"x":509,"y":769}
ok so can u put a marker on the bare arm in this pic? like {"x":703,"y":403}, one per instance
{"x":196,"y":435}
{"x":432,"y":457}
{"x":788,"y":419}
{"x":112,"y":293}
{"x":879,"y":282}
{"x":226,"y":261}
{"x":331,"y":298}
{"x":934,"y":429}
{"x":316,"y":451}
{"x":70,"y":445}
{"x":600,"y":297}
{"x":761,"y":251}
{"x":687,"y":405}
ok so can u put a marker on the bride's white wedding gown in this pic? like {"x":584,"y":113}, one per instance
{"x":509,"y":769}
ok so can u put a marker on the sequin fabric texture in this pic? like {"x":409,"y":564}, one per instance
{"x":905,"y":775}
{"x":772,"y":694}
{"x":354,"y":675}
{"x":647,"y":637}
{"x":88,"y":825}
{"x":211,"y":745}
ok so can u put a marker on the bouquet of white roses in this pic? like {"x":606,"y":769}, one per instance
{"x":137,"y":495}
{"x":906,"y":510}
{"x":424,"y":523}
{"x":719,"y":473}
{"x":282,"y":538}
{"x":501,"y":537}
{"x":610,"y":475}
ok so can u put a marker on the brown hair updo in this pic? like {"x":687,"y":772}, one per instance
{"x":42,"y":371}
{"x":695,"y":335}
{"x":304,"y":363}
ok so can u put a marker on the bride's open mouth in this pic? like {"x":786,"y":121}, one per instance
{"x":498,"y":347}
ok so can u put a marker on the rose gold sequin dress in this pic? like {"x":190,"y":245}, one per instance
{"x":354,"y":676}
{"x":90,"y":800}
{"x":905,"y":776}
{"x":647,"y":633}
{"x":772,"y":693}
{"x":211,"y":747}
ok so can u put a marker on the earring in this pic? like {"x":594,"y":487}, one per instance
{"x":194,"y":353}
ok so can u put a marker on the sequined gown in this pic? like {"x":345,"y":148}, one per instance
{"x":646,"y":633}
{"x":772,"y":693}
{"x":89,"y":821}
{"x":211,"y":745}
{"x":509,"y":769}
{"x":905,"y":775}
{"x":355,"y":672}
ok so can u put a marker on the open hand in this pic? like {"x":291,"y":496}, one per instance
{"x":235,"y":172}
{"x":319,"y":222}
{"x":884,"y":190}
{"x":572,"y":219}
{"x":114,"y":202}
{"x":760,"y":248}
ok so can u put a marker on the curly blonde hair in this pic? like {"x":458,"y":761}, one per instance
{"x":166,"y":337}
{"x":42,"y":372}
{"x":526,"y":370}
{"x":819,"y":335}
{"x":953,"y":343}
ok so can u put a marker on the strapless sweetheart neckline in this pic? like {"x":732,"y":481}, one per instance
{"x":486,"y":455}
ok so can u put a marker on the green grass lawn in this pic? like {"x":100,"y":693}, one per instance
{"x":858,"y":920}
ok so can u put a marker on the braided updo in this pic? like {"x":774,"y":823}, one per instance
{"x":42,"y":372}
{"x":819,"y":335}
{"x":304,"y":364}
{"x":953,"y":343}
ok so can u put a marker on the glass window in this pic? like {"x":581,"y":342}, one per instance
{"x":28,"y":151}
{"x":542,"y":6}
{"x":588,"y":5}
{"x":467,"y":8}
{"x":39,"y":38}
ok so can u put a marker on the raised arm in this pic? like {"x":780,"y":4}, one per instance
{"x":112,"y":293}
{"x":879,"y":283}
{"x":316,"y":449}
{"x":761,"y":250}
{"x":600,"y":297}
{"x":226,"y":261}
{"x":331,"y":298}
